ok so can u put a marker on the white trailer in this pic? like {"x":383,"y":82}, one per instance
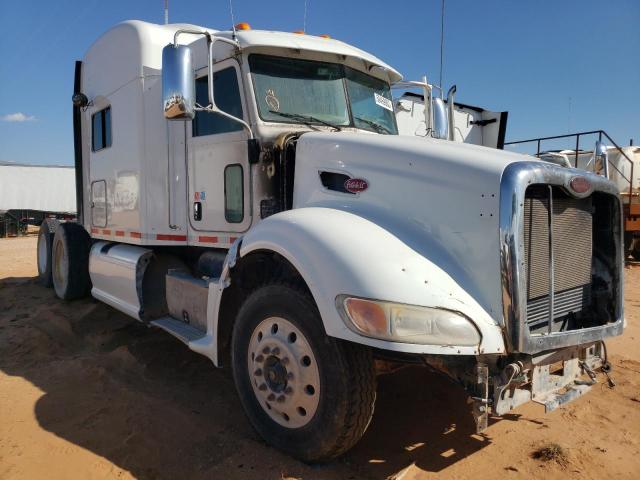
{"x":30,"y":193}
{"x":247,"y":192}
{"x":446,"y":119}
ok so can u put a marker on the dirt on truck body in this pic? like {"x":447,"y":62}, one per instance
{"x":87,"y":392}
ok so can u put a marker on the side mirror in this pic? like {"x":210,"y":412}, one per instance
{"x":178,"y":83}
{"x":601,"y":157}
{"x":440,"y":120}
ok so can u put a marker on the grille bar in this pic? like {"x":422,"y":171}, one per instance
{"x":565,"y":302}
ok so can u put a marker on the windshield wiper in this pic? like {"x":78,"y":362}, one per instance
{"x":376,"y":126}
{"x":306,"y":119}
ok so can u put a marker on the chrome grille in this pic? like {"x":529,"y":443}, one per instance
{"x":572,"y":243}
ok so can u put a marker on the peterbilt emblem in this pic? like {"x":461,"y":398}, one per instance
{"x":356,"y":185}
{"x":580,"y":184}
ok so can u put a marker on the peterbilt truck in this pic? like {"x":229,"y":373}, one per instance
{"x":247,"y":192}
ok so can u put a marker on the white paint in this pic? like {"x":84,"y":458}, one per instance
{"x":421,"y":234}
{"x":410,"y":116}
{"x":31,"y":187}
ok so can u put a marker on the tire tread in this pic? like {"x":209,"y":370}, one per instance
{"x":358,"y":378}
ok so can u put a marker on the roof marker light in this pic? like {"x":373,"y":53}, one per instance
{"x":243,"y":26}
{"x":299,"y":32}
{"x":324,"y":35}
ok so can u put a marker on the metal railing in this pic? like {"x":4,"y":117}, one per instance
{"x":601,"y":134}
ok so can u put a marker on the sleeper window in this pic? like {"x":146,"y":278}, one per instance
{"x":101,"y":129}
{"x":227,"y":96}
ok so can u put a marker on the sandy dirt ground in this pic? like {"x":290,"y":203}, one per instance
{"x":86,"y":392}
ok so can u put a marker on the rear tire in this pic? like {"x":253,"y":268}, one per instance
{"x":70,"y":261}
{"x":48,"y":228}
{"x":340,"y":375}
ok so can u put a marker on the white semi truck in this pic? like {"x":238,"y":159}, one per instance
{"x":247,"y":192}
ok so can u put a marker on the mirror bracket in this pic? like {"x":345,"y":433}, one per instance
{"x":212,"y":107}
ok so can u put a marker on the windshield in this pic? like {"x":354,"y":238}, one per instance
{"x":310,"y":92}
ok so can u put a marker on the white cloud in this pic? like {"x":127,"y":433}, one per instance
{"x":17,"y":117}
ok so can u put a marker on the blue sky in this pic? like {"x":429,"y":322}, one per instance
{"x":554,"y":65}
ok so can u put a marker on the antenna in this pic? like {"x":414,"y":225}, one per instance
{"x":166,"y":12}
{"x":441,"y":45}
{"x":304,"y":20}
{"x":233,"y":21}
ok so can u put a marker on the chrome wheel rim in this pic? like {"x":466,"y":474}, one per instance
{"x":59,"y":267}
{"x":284,"y":373}
{"x":42,"y":252}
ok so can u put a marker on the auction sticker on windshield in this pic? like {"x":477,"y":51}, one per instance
{"x":383,"y":102}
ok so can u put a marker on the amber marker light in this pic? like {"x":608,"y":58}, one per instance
{"x":324,"y":35}
{"x":367,"y":316}
{"x":299,"y":32}
{"x":243,"y":26}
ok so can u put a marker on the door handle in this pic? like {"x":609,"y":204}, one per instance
{"x":197,"y":211}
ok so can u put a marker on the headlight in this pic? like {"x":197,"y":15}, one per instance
{"x":408,"y":323}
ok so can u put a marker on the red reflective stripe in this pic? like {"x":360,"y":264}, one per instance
{"x":119,"y":233}
{"x":232,"y":239}
{"x":135,"y":234}
{"x":95,"y":230}
{"x":208,"y":239}
{"x":106,"y":231}
{"x":175,"y":238}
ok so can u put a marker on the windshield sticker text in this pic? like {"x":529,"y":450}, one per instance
{"x":383,"y":102}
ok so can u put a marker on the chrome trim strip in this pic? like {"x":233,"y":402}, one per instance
{"x":515,"y":179}
{"x":552,"y":279}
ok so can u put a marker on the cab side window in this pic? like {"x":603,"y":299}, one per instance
{"x":101,"y":129}
{"x":227,"y":97}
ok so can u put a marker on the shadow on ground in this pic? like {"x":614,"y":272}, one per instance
{"x":151,"y":406}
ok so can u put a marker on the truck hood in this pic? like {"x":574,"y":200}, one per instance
{"x":440,"y":198}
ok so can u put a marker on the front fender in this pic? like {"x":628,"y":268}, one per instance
{"x":338,"y":252}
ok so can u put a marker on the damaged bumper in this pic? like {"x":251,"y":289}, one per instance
{"x":551,"y":379}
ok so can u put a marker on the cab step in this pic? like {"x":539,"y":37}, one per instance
{"x":179,"y":329}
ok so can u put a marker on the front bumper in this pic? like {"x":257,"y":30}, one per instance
{"x":551,"y":379}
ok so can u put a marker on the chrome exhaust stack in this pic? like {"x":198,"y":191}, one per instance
{"x":451,"y":109}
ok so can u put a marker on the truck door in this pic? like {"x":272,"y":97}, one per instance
{"x":218,"y":166}
{"x":177,"y":176}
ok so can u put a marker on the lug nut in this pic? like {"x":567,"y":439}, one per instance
{"x":280,"y":399}
{"x":288,"y":390}
{"x":266,"y":350}
{"x":271,"y":397}
{"x":290,"y":376}
{"x":259,"y":359}
{"x":285,"y":361}
{"x":258,"y":372}
{"x":275,"y":351}
{"x":262,"y":387}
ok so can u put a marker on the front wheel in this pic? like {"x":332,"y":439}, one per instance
{"x":304,"y":392}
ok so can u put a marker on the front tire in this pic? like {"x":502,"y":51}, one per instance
{"x":305,"y":393}
{"x":70,"y":261}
